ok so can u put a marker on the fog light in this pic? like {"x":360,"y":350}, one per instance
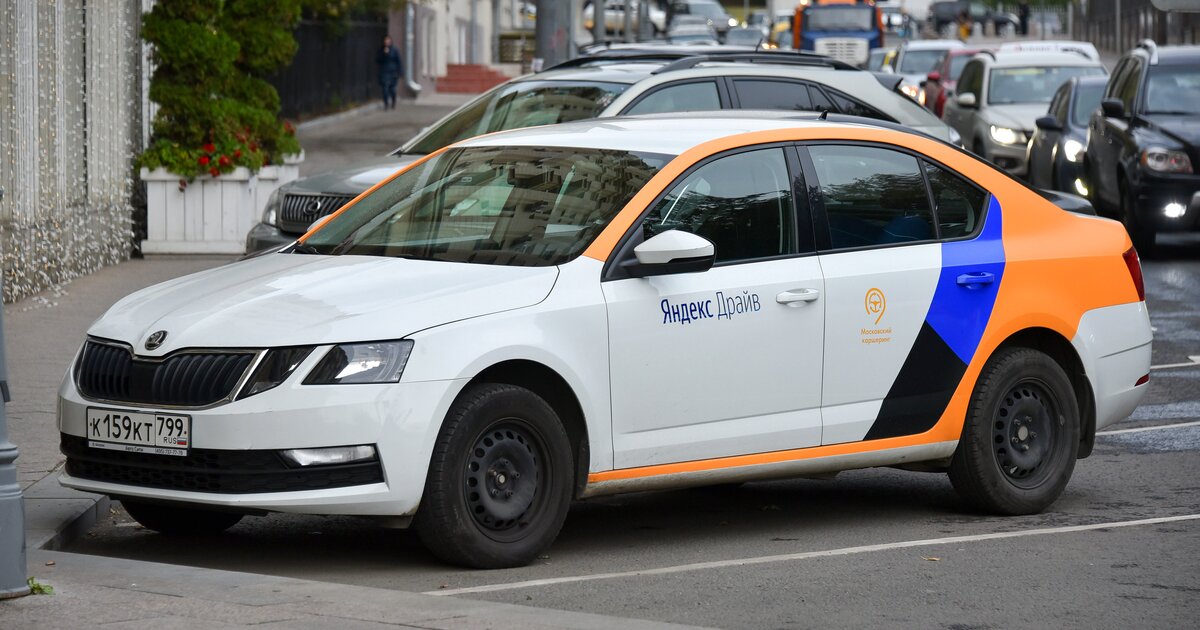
{"x":1081,"y":187}
{"x":1174,"y":210}
{"x":332,"y":455}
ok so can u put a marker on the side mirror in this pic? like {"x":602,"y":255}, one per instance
{"x":934,"y":76}
{"x":672,"y":252}
{"x":966,"y":99}
{"x":1113,"y":107}
{"x":1048,"y":123}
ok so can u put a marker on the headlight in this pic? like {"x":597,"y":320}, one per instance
{"x":1166,"y":161}
{"x":271,"y":211}
{"x":1073,"y":150}
{"x":1004,"y":135}
{"x":274,"y":369}
{"x":733,"y":22}
{"x":921,"y":95}
{"x":356,"y":363}
{"x":911,"y":91}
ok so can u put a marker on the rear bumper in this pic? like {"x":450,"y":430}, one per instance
{"x":1114,"y":345}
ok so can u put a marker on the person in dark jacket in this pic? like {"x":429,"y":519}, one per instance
{"x":390,"y":71}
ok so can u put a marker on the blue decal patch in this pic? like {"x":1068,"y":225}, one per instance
{"x":966,"y":289}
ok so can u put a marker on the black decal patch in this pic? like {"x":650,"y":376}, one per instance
{"x":922,"y":390}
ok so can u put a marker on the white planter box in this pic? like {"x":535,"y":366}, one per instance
{"x":212,"y":214}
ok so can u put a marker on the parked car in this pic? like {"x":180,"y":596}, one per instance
{"x":709,"y":10}
{"x":1000,"y":95}
{"x":915,"y":59}
{"x":614,"y":16}
{"x":940,"y":84}
{"x":617,"y":80}
{"x":745,"y":36}
{"x":1059,"y":143}
{"x":1144,"y":143}
{"x":609,"y":306}
{"x":881,"y":60}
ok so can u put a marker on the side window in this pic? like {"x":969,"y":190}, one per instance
{"x":741,"y":202}
{"x":819,"y":100}
{"x":754,"y":94}
{"x":1058,"y":105}
{"x":683,"y":97}
{"x":1115,"y":79}
{"x":847,"y":105}
{"x":959,"y":204}
{"x":1127,"y":90}
{"x":971,"y":81}
{"x":872,"y":196}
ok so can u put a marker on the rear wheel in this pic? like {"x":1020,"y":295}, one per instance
{"x":178,"y":520}
{"x":500,"y":480}
{"x":1021,"y":435}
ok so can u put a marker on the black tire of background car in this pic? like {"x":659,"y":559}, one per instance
{"x":1021,"y":393}
{"x":180,"y":521}
{"x":1143,"y":236}
{"x":497,"y":439}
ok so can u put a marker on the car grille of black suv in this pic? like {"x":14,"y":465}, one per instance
{"x":187,"y":379}
{"x":299,"y":211}
{"x":208,"y":470}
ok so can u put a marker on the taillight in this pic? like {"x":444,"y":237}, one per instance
{"x":1135,"y":272}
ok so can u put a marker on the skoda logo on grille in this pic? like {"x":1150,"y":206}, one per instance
{"x":312,"y":208}
{"x":155,"y":339}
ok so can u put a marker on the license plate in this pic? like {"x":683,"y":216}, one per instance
{"x":139,"y":432}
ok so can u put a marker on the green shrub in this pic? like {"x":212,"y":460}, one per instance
{"x":216,"y":110}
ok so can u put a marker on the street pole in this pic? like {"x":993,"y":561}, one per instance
{"x":550,"y":32}
{"x":599,"y":21}
{"x":12,"y":510}
{"x":627,"y":31}
{"x":645,"y":30}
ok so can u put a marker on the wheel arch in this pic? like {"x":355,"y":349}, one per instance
{"x":557,"y":392}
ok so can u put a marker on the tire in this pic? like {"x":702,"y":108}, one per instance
{"x":1021,"y":436}
{"x":508,"y":440}
{"x":174,"y":520}
{"x":1143,"y":236}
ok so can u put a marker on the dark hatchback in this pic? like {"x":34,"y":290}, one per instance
{"x":1057,"y":147}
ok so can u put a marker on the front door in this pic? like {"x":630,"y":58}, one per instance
{"x":728,"y":361}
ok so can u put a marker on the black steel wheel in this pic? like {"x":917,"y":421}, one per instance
{"x":500,"y":480}
{"x":1021,"y":435}
{"x":175,"y":519}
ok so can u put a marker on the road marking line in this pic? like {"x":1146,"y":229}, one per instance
{"x":1193,"y":361}
{"x":1179,"y":425}
{"x":845,"y":551}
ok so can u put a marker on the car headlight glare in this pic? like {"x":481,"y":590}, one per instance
{"x":358,"y":363}
{"x":1166,"y":160}
{"x":276,"y":366}
{"x":911,"y":91}
{"x":733,"y":22}
{"x":1004,"y":135}
{"x":271,"y":211}
{"x":1073,"y":150}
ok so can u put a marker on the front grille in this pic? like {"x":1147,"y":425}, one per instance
{"x":299,"y":211}
{"x":848,"y":49}
{"x":208,"y":470}
{"x":189,"y":379}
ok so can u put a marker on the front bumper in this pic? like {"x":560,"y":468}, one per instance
{"x":1010,"y":157}
{"x":263,"y":236}
{"x":230,"y":442}
{"x":1161,"y":200}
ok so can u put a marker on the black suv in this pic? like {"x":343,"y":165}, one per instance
{"x":1144,"y":143}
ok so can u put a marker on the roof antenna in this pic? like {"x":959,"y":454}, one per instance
{"x":824,"y":114}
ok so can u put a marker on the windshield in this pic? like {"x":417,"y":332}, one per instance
{"x":1087,"y":100}
{"x":517,"y":105}
{"x":707,"y":9}
{"x":520,"y":206}
{"x":1173,"y":90}
{"x":1034,"y":84}
{"x":838,"y":18}
{"x":921,"y":61}
{"x":750,"y":37}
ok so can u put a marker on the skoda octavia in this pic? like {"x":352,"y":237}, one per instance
{"x":533,"y":317}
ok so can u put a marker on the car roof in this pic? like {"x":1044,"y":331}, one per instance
{"x":1011,"y":59}
{"x":669,"y":134}
{"x":629,"y":72}
{"x":932,"y":44}
{"x":1176,"y":55}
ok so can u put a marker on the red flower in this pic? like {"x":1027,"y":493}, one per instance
{"x":237,"y":153}
{"x":223,"y":160}
{"x":209,"y":148}
{"x":214,"y":171}
{"x":203,"y":160}
{"x":253,"y":146}
{"x":287,"y":126}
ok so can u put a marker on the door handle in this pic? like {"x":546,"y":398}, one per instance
{"x":798,"y":296}
{"x":976,"y":279}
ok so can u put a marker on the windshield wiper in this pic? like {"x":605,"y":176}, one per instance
{"x":302,"y":248}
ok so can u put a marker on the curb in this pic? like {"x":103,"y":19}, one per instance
{"x":56,"y":516}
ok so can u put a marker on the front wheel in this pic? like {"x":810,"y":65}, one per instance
{"x":178,"y":520}
{"x":500,"y":480}
{"x":1021,"y":436}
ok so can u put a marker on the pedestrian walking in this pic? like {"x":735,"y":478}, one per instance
{"x":964,"y":25}
{"x":390,"y":71}
{"x":1023,"y":16}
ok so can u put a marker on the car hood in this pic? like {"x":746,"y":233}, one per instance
{"x":1182,"y":129}
{"x":296,"y":299}
{"x":1017,"y":115}
{"x":352,"y":179}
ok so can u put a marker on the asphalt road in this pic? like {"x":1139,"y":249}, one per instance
{"x":1121,"y":548}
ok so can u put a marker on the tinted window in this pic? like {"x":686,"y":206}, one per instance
{"x":1033,"y":84}
{"x":872,"y":196}
{"x":772,"y":95}
{"x":684,"y":97}
{"x":1087,"y":100}
{"x":1126,"y":90}
{"x":850,"y":106}
{"x":957,"y":63}
{"x":1058,"y":104}
{"x":959,"y":205}
{"x":819,"y":100}
{"x":742,"y":203}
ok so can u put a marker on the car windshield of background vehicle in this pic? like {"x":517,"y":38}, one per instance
{"x":1087,"y":100}
{"x":524,"y":104}
{"x":957,"y":63}
{"x":921,"y":61}
{"x":1173,"y":90}
{"x":1034,"y":84}
{"x":526,"y":206}
{"x":707,"y":9}
{"x":839,"y":18}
